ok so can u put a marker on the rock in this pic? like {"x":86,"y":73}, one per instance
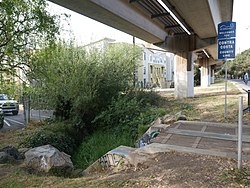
{"x":4,"y":158}
{"x":22,"y":152}
{"x":168,"y":119}
{"x":49,"y":160}
{"x":9,"y":154}
{"x":181,"y":116}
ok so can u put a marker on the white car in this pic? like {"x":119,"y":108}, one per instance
{"x":8,"y":105}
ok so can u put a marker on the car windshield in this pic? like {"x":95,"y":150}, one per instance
{"x":4,"y":97}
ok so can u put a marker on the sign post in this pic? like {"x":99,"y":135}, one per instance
{"x":240,"y":124}
{"x":226,"y":48}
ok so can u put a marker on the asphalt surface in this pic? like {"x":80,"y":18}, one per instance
{"x":241,"y":85}
{"x":12,"y":122}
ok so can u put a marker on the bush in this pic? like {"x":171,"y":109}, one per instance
{"x":97,"y":145}
{"x":124,"y":121}
{"x":127,"y":112}
{"x":77,"y":84}
{"x":58,"y":134}
{"x":150,"y":98}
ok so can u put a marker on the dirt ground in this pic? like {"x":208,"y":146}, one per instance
{"x":172,"y":169}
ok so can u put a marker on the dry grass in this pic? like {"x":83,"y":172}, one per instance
{"x":209,"y":104}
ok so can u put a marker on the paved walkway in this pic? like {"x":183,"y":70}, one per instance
{"x":218,"y":139}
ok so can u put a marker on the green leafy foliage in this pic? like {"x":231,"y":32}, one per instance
{"x":119,"y":113}
{"x":94,"y":90}
{"x":122,"y":123}
{"x":24,"y":26}
{"x":99,"y":143}
{"x":150,"y":98}
{"x":58,"y":134}
{"x":77,"y":84}
{"x":238,"y":66}
{"x":197,"y":75}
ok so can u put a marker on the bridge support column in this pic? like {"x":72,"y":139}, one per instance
{"x":212,"y":74}
{"x":205,"y":72}
{"x":184,"y":75}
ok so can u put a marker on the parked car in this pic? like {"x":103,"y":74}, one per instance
{"x":8,"y":105}
{"x":1,"y":118}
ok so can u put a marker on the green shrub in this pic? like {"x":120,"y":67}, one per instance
{"x":124,"y":120}
{"x":77,"y":84}
{"x":150,"y":98}
{"x":97,"y":145}
{"x":58,"y":134}
{"x":119,"y":114}
{"x":126,"y":113}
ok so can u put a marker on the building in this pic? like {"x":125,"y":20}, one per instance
{"x":155,"y":68}
{"x":100,"y":45}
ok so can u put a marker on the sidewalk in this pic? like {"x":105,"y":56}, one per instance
{"x":240,"y":84}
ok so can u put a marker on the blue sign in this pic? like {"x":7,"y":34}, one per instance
{"x":226,"y":30}
{"x":226,"y":40}
{"x":226,"y":48}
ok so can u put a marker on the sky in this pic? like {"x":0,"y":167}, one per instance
{"x":241,"y":15}
{"x":87,"y":30}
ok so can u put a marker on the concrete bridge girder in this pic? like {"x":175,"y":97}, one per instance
{"x":119,"y":14}
{"x":202,"y":16}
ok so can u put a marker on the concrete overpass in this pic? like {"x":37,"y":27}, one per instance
{"x":187,"y":28}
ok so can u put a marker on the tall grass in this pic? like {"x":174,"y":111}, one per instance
{"x":122,"y":123}
{"x":97,"y":145}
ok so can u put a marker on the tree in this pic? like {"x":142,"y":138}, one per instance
{"x":78,"y":84}
{"x":24,"y":25}
{"x":240,"y":64}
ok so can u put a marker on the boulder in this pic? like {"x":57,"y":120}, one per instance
{"x":22,"y":152}
{"x":181,"y":116}
{"x":9,"y":154}
{"x":48,"y":159}
{"x":168,"y":119}
{"x":4,"y":158}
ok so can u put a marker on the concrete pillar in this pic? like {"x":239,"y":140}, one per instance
{"x":205,"y":72}
{"x":184,"y":75}
{"x":212,"y":75}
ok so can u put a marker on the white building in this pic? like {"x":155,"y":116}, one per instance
{"x":154,"y":70}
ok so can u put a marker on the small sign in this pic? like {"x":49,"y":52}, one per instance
{"x":226,"y":40}
{"x":226,"y":30}
{"x":226,"y":48}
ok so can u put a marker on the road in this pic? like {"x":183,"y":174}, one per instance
{"x":17,"y":122}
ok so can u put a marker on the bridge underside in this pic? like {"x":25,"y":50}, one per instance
{"x":187,"y":28}
{"x":150,"y":21}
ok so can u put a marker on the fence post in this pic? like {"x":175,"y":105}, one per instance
{"x":240,"y":124}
